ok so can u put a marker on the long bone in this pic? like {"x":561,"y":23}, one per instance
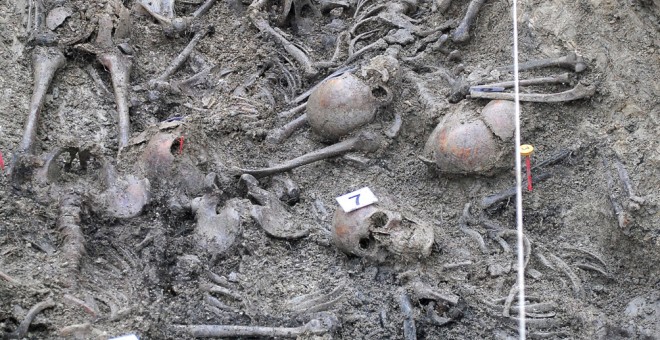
{"x":278,"y":135}
{"x":578,"y":92}
{"x":313,"y":327}
{"x":571,"y":62}
{"x":46,"y":61}
{"x":258,"y":20}
{"x":563,"y":78}
{"x":163,"y":11}
{"x":365,"y":141}
{"x":462,"y":32}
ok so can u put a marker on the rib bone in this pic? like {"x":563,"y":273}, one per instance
{"x":578,"y":92}
{"x":570,"y":62}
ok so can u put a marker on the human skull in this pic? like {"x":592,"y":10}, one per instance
{"x":373,"y":233}
{"x":468,"y":143}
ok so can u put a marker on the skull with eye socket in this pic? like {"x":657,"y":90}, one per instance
{"x":375,"y":233}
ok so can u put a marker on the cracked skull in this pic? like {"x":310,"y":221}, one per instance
{"x":373,"y":233}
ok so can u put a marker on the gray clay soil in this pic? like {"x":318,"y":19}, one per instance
{"x":597,"y":278}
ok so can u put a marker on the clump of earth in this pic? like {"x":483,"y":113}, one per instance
{"x":591,"y":221}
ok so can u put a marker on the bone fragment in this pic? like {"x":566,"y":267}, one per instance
{"x":317,"y":301}
{"x":442,"y":5}
{"x":409,"y":329}
{"x":365,"y":141}
{"x":578,"y":92}
{"x":183,"y":56}
{"x":394,"y":129}
{"x":571,"y":62}
{"x":560,"y":79}
{"x":215,"y":232}
{"x":424,"y":291}
{"x":271,"y":214}
{"x":279,"y":135}
{"x":22,"y":329}
{"x":313,"y":327}
{"x":493,"y":199}
{"x":462,"y":32}
{"x":258,"y":20}
{"x":293,"y":111}
{"x":68,"y":223}
{"x":46,"y":61}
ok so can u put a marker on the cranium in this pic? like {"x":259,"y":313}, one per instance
{"x":372,"y":232}
{"x":468,"y":143}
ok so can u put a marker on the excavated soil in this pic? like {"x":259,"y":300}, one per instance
{"x":600,"y":277}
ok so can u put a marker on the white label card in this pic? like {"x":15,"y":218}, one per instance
{"x":357,"y":199}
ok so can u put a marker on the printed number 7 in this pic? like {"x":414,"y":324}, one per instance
{"x":357,"y":199}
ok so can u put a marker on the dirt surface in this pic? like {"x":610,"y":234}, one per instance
{"x":596,"y":275}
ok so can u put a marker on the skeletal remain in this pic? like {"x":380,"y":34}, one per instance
{"x":314,"y":327}
{"x":505,"y":195}
{"x":337,"y":73}
{"x":467,"y":143}
{"x":46,"y":61}
{"x":373,"y":233}
{"x":68,"y":223}
{"x":623,"y":217}
{"x":271,"y":214}
{"x":293,"y":111}
{"x":182,"y":57}
{"x":409,"y":329}
{"x":340,"y":105}
{"x":563,"y":78}
{"x":257,"y":18}
{"x":462,"y":32}
{"x":163,"y":11}
{"x":575,"y":280}
{"x":571,"y":62}
{"x":627,"y":185}
{"x":23,"y":327}
{"x":364,"y":141}
{"x":279,"y":135}
{"x":578,"y":92}
{"x":442,"y":5}
{"x":215,"y":232}
{"x":297,"y":6}
{"x":393,"y":13}
{"x":286,"y":189}
{"x":316,"y":301}
{"x":424,"y":291}
{"x":111,"y":36}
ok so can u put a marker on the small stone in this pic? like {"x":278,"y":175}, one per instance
{"x":533,"y":273}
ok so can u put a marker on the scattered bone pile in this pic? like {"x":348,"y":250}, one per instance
{"x":381,"y":44}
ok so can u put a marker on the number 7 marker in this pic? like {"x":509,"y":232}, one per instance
{"x":357,"y":199}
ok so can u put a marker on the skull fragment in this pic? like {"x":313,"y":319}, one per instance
{"x":467,"y":143}
{"x":374,"y":233}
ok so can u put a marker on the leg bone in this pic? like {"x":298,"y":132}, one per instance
{"x":365,"y":141}
{"x":578,"y":92}
{"x":462,"y":32}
